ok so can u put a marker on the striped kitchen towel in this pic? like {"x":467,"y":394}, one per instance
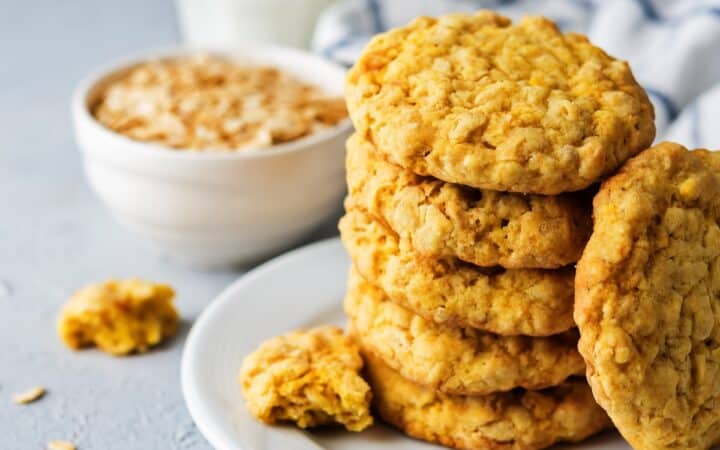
{"x":673,"y":46}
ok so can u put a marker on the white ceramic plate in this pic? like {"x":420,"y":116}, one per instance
{"x":299,"y":289}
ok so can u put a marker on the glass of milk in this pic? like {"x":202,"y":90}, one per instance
{"x":228,"y":22}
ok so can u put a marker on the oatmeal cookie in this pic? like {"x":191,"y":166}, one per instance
{"x":482,"y":227}
{"x":648,"y":299}
{"x":533,"y":302}
{"x":309,"y":377}
{"x":475,"y":100}
{"x":515,"y":420}
{"x":119,"y":316}
{"x":456,"y":360}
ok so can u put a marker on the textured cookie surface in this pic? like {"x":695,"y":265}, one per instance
{"x":309,"y":377}
{"x":456,"y":360}
{"x":475,"y":100}
{"x":486,"y":228}
{"x":648,"y":299}
{"x":119,"y":316}
{"x":516,"y":420}
{"x":533,"y":302}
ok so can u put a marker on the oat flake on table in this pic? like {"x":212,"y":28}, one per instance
{"x":29,"y":396}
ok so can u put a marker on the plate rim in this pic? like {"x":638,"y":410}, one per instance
{"x":214,"y":434}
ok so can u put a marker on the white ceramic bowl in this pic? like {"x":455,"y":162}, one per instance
{"x":217,"y":208}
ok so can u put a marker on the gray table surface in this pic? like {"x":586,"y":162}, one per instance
{"x":55,"y":237}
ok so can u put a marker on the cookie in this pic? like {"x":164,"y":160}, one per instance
{"x":309,"y":377}
{"x":533,"y":302}
{"x":456,"y":360}
{"x":648,"y":299}
{"x":486,"y":228}
{"x":515,"y":420}
{"x":475,"y":100}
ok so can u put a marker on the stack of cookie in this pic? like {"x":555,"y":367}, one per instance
{"x":476,"y":143}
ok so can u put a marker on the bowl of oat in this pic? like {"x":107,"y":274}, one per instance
{"x":219,"y":157}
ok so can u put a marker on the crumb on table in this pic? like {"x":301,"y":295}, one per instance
{"x":61,"y":445}
{"x":119,"y":316}
{"x":29,"y":396}
{"x":310,"y":377}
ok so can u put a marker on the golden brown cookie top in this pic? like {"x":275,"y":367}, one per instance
{"x":482,"y":227}
{"x":476,"y":100}
{"x":648,"y":299}
{"x":309,"y":377}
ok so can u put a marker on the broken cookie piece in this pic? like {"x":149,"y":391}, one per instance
{"x":119,"y":317}
{"x":309,"y":377}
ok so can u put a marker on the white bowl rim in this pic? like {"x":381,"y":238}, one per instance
{"x":81,"y":113}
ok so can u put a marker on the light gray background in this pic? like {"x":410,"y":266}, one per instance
{"x":55,"y":237}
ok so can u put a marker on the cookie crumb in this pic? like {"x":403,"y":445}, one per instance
{"x":119,"y":316}
{"x":29,"y":396}
{"x":61,"y":445}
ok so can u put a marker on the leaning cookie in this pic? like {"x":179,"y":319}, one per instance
{"x":532,"y":302}
{"x":486,"y":228}
{"x":648,"y":299}
{"x":516,"y":420}
{"x":475,"y":100}
{"x":456,"y":360}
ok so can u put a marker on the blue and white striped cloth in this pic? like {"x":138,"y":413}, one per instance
{"x":673,"y":46}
